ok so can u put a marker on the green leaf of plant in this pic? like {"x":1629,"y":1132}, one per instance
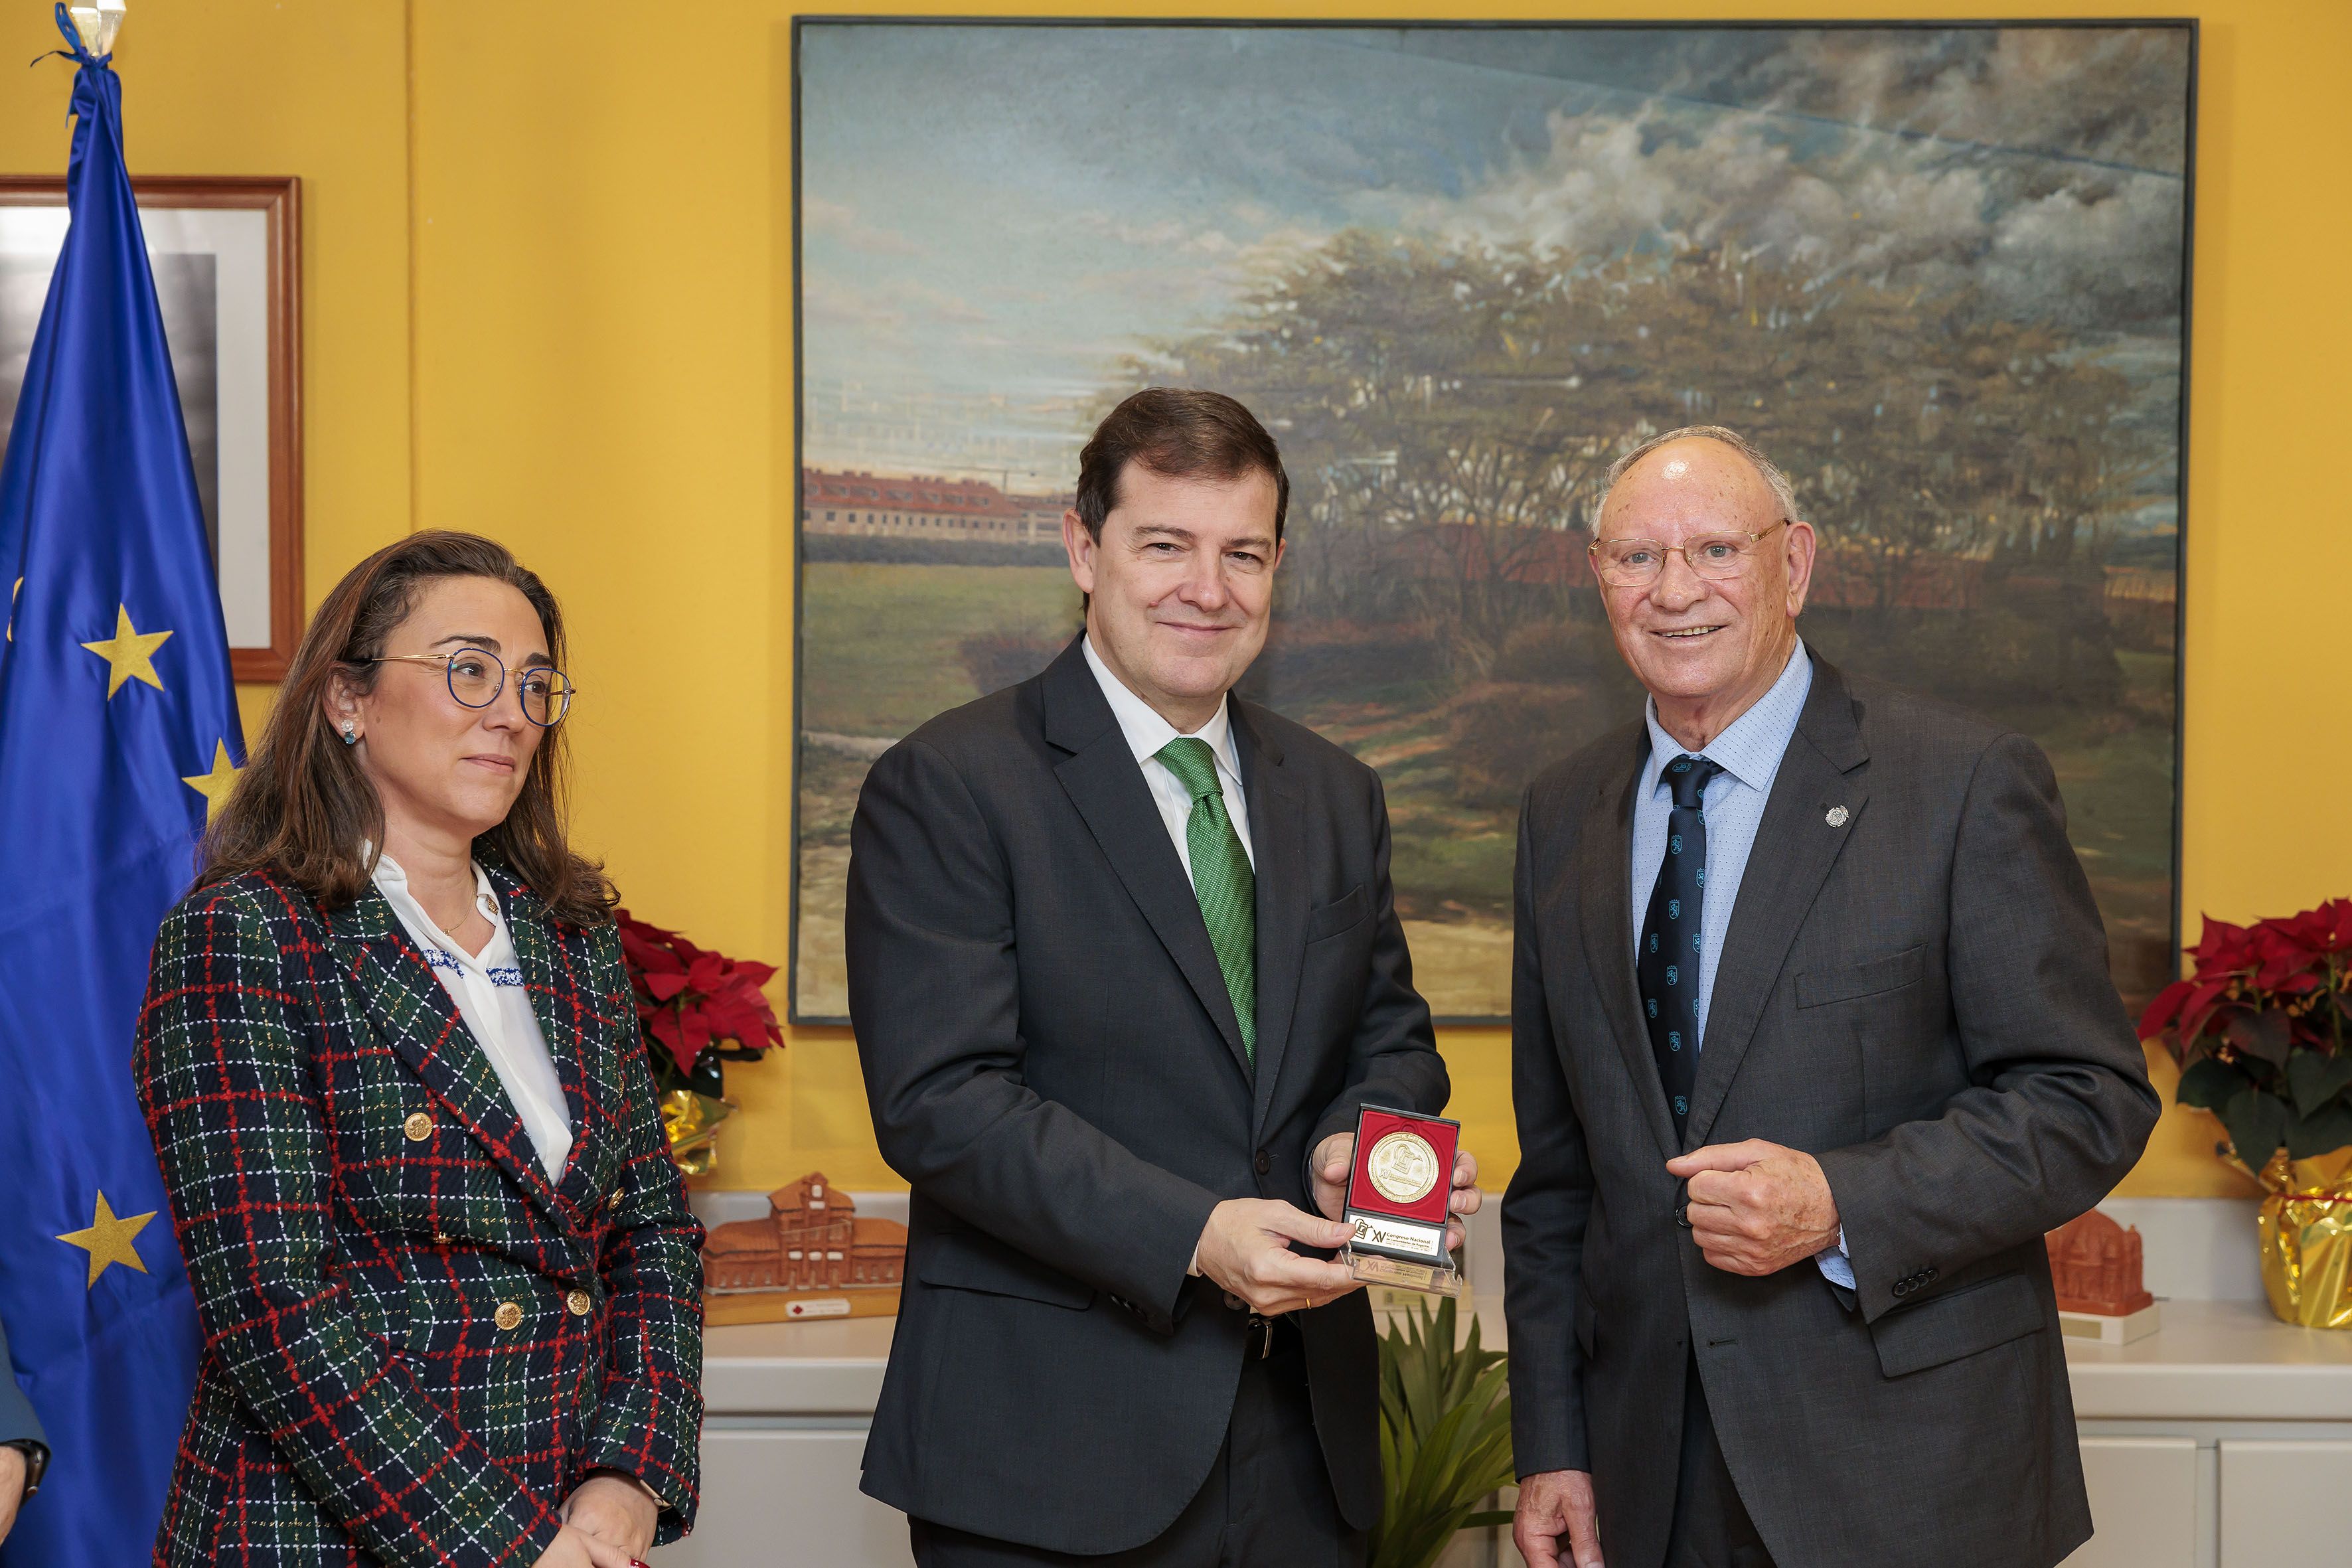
{"x":2257,"y":1122}
{"x":1445,"y":1434}
{"x":2314,"y":1079}
{"x":2209,"y":1084}
{"x":2323,"y":1132}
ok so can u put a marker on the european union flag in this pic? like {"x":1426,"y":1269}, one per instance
{"x":118,"y":735}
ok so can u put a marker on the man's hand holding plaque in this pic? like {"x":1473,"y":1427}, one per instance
{"x":1245,"y":1249}
{"x":1382,"y":1179}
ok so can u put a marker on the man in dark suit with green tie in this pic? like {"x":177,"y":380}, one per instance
{"x":1124,"y":962}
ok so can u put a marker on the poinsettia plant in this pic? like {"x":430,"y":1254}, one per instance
{"x":2259,"y":1032}
{"x":697,"y":1009}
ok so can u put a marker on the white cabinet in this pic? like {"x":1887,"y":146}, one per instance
{"x":788,"y":1497}
{"x":2284,"y":1503}
{"x":2144,"y":1499}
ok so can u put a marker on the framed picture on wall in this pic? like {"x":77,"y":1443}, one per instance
{"x":1938,"y":272}
{"x":227,"y":267}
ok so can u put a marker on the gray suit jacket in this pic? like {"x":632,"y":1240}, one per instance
{"x":1053,"y":1064}
{"x":17,"y":1422}
{"x":1916,"y":995}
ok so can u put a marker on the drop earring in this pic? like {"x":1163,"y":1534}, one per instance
{"x":350,"y":733}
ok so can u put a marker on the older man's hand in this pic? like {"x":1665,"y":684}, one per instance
{"x":13,"y":1471}
{"x":1755,"y":1207}
{"x":1556,"y":1524}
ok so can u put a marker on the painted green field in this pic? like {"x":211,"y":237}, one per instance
{"x":888,"y":645}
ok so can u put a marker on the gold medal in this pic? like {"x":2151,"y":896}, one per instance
{"x":1402,"y":1167}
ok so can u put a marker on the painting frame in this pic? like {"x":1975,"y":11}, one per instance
{"x":798,"y":395}
{"x":260,"y":538}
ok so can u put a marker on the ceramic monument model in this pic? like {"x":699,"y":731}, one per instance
{"x":2096,"y":1264}
{"x":812,"y":1257}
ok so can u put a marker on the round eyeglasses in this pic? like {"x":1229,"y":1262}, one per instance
{"x":476,"y":676}
{"x":1636,"y":562}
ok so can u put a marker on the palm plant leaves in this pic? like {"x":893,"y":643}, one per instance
{"x":1445,"y":1436}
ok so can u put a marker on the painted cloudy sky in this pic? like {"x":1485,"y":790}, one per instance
{"x":992,"y":215}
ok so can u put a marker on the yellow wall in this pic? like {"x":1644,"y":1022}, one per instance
{"x":546,"y":249}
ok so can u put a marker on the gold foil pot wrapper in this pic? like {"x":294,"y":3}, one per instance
{"x":691,"y":1121}
{"x":2306,"y":1239}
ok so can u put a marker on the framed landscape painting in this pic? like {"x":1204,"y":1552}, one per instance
{"x":1938,"y":272}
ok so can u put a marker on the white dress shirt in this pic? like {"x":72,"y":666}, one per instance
{"x":489,"y":990}
{"x":1146,"y":733}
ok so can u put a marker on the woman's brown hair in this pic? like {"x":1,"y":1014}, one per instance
{"x":302,"y":806}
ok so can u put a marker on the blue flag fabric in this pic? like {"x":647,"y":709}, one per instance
{"x":118,"y":731}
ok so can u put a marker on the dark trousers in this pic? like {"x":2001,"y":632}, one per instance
{"x":1267,"y":1502}
{"x":1712,"y":1529}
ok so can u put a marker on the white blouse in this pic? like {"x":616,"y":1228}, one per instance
{"x":489,"y":990}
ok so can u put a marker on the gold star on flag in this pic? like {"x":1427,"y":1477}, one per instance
{"x":129,"y":652}
{"x":109,"y":1239}
{"x":214,"y":785}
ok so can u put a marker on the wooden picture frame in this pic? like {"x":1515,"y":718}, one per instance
{"x":1571,"y":247}
{"x":241,"y":385}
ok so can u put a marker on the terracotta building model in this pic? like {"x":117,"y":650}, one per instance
{"x":2096,"y":1264}
{"x":813,"y":1244}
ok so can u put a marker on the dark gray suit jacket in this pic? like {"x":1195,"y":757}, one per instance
{"x":1919,"y":997}
{"x":1052,"y":1062}
{"x":17,"y":1422}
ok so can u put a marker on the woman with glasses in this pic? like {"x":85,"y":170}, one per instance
{"x":449,"y":1288}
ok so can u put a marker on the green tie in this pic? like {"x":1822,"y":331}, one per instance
{"x":1221,"y":879}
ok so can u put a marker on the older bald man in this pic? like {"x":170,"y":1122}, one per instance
{"x":1812,"y":1039}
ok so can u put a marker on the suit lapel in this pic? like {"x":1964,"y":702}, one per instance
{"x":1796,"y":844}
{"x":561,"y":1002}
{"x":1605,"y":876}
{"x":1277,"y":835}
{"x":413,"y":1014}
{"x":1102,"y":780}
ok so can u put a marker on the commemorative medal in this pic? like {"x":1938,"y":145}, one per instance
{"x":1398,"y":1197}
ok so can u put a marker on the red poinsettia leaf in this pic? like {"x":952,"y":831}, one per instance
{"x":2217,"y":944}
{"x":664,"y":1027}
{"x":697,"y":1031}
{"x":2277,"y":971}
{"x":708,"y":971}
{"x":755,"y":972}
{"x":665,"y":986}
{"x":2262,"y":1035}
{"x":2164,"y":1008}
{"x":2199,"y":1006}
{"x":649,"y":956}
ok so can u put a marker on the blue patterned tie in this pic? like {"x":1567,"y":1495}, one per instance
{"x":1666,"y":966}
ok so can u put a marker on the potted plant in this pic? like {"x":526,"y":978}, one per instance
{"x":1445,"y":1436}
{"x":2259,"y":1030}
{"x":696,"y":1011}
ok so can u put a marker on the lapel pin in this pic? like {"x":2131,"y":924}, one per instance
{"x":1837,"y":818}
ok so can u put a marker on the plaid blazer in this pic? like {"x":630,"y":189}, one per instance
{"x":415,"y":1346}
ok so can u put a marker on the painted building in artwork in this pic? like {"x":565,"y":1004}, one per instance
{"x":885,"y":506}
{"x":812,"y":1239}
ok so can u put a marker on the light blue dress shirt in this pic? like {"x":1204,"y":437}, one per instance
{"x":1749,"y":751}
